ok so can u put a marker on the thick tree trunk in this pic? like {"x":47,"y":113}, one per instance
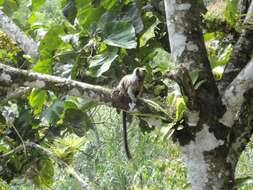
{"x":206,"y":161}
{"x":217,"y":123}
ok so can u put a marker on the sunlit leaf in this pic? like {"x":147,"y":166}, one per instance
{"x":43,"y":66}
{"x":231,"y":14}
{"x":89,"y":15}
{"x":108,"y":4}
{"x":51,"y":40}
{"x":120,"y":34}
{"x":243,"y":181}
{"x":102,"y":62}
{"x":70,"y":105}
{"x":36,"y":4}
{"x":194,"y":76}
{"x":170,"y":98}
{"x":37,"y":99}
{"x":180,"y":108}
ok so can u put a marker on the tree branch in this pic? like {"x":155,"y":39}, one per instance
{"x":241,"y":131}
{"x":241,"y":54}
{"x":12,"y":77}
{"x":45,"y":151}
{"x":233,"y":97}
{"x":13,"y":95}
{"x":26,"y":43}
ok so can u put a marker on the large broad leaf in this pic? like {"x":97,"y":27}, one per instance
{"x":108,"y":4}
{"x":10,"y":6}
{"x":80,"y":4}
{"x":51,"y":40}
{"x":37,"y":99}
{"x":49,"y":44}
{"x":102,"y":62}
{"x":53,"y":113}
{"x":89,"y":15}
{"x":45,"y":173}
{"x":119,"y":34}
{"x":76,"y":121}
{"x":43,"y":66}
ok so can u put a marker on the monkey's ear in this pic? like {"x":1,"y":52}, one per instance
{"x":144,"y":70}
{"x":137,"y":71}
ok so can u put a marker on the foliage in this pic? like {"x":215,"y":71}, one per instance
{"x":106,"y":40}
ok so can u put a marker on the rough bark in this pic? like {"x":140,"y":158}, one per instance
{"x":26,"y":43}
{"x":13,"y":78}
{"x":233,"y":97}
{"x":241,"y":54}
{"x":210,"y":148}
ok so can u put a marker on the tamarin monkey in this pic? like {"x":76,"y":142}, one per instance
{"x":131,"y":85}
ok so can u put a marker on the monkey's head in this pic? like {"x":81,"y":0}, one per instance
{"x":140,"y":72}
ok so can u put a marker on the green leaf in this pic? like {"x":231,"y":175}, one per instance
{"x":51,"y":40}
{"x":89,"y":15}
{"x":119,"y":34}
{"x":36,"y":4}
{"x":108,"y":4}
{"x":82,"y":3}
{"x":243,"y":181}
{"x":53,"y":113}
{"x":231,"y":14}
{"x":88,"y":105}
{"x":37,"y":99}
{"x":68,"y":104}
{"x":209,"y":36}
{"x":194,"y":76}
{"x":76,"y":121}
{"x":43,"y":66}
{"x":45,"y":173}
{"x":180,"y":107}
{"x":198,"y":84}
{"x":10,"y":6}
{"x":170,"y":98}
{"x":102,"y":62}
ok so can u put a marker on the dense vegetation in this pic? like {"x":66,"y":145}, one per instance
{"x":107,"y":40}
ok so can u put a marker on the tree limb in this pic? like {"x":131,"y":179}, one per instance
{"x":12,"y":77}
{"x":13,"y":95}
{"x":241,"y":54}
{"x":233,"y":97}
{"x":26,"y":43}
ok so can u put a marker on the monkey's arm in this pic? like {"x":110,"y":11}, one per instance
{"x":131,"y":93}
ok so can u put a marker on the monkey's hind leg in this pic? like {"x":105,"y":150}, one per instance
{"x":128,"y":154}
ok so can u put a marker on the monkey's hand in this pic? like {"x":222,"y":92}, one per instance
{"x":115,"y":92}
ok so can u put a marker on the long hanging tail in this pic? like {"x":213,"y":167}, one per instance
{"x":128,"y":155}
